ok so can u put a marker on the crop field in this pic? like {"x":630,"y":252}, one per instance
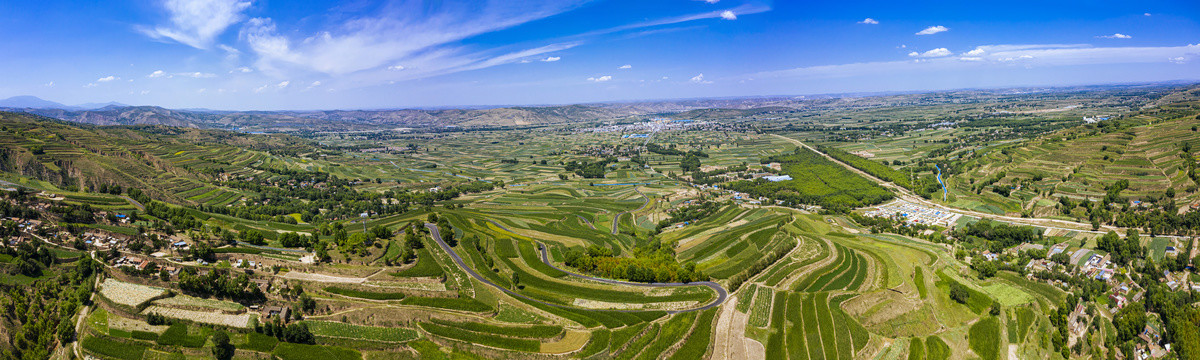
{"x":343,"y":330}
{"x":129,"y":294}
{"x":207,"y":317}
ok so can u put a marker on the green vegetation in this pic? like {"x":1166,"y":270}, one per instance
{"x":481,"y":338}
{"x":371,"y":295}
{"x":984,"y":337}
{"x":815,"y":181}
{"x":463,"y":304}
{"x":114,"y":348}
{"x":314,"y":352}
{"x":337,"y":329}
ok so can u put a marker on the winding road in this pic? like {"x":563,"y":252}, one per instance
{"x":721,"y":293}
{"x":617,"y":219}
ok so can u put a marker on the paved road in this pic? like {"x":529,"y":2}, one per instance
{"x":909,"y":196}
{"x":433,"y":230}
{"x":585,"y":220}
{"x":134,"y":202}
{"x":617,"y":218}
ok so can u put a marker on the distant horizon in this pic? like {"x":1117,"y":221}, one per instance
{"x":396,"y":54}
{"x":80,"y":107}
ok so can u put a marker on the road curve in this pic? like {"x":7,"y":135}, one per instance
{"x":721,"y":293}
{"x":617,"y":218}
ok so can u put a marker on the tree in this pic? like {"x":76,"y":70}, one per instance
{"x":959,"y":293}
{"x":1130,"y":321}
{"x":222,"y":349}
{"x":516,"y":280}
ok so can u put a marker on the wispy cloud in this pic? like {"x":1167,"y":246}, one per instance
{"x":625,"y":67}
{"x":157,"y":74}
{"x":869,"y":21}
{"x":600,"y":79}
{"x":1034,"y":55}
{"x":396,"y":67}
{"x":699,"y":79}
{"x":108,"y":78}
{"x":197,"y":23}
{"x":933,"y":30}
{"x":1115,"y":36}
{"x":417,"y":34}
{"x":551,"y":59}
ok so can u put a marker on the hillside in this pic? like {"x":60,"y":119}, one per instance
{"x":170,"y":163}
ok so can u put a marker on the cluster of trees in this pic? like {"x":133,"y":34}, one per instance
{"x":651,"y":263}
{"x":41,"y":314}
{"x":590,"y":170}
{"x":30,"y":258}
{"x":816,"y":181}
{"x":1122,"y":251}
{"x":895,"y":225}
{"x":996,"y":236}
{"x":297,"y":332}
{"x":221,"y":284}
{"x":444,"y":229}
{"x":690,"y":213}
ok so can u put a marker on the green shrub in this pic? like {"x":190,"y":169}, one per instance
{"x":481,"y":338}
{"x":984,"y":338}
{"x":337,"y":329}
{"x":292,"y":351}
{"x":113,"y":348}
{"x":364,"y":294}
{"x":464,"y":304}
{"x":936,"y":349}
{"x":696,"y":344}
{"x":259,"y":342}
{"x":177,"y":334}
{"x":426,"y":266}
{"x":597,"y":343}
{"x":144,"y":335}
{"x":535,"y":331}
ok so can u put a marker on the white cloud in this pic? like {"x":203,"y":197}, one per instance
{"x":998,"y":57}
{"x":699,"y":79}
{"x":976,"y":52}
{"x":107,"y":78}
{"x":201,"y":90}
{"x":197,"y":23}
{"x":600,"y":79}
{"x":728,"y":15}
{"x":90,"y":85}
{"x":625,"y":67}
{"x":49,"y":84}
{"x":242,"y":70}
{"x":422,"y":36}
{"x":157,"y":74}
{"x":933,"y":30}
{"x":396,"y":67}
{"x":1146,"y":14}
{"x":144,"y":92}
{"x":1115,"y":36}
{"x":1177,"y":60}
{"x":939,"y":52}
{"x":869,"y":21}
{"x":313,"y":85}
{"x":283,"y":84}
{"x":551,"y":59}
{"x":711,"y":1}
{"x":970,"y":58}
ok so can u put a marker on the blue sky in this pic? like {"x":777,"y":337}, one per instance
{"x":262,"y":54}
